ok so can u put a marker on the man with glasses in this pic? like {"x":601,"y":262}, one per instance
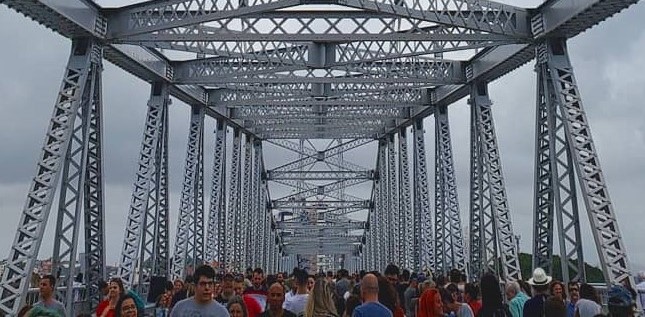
{"x":202,"y":304}
{"x":574,"y":295}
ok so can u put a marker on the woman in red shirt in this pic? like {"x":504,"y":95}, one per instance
{"x":107,"y":307}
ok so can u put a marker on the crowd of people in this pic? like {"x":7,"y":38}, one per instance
{"x":392,"y":293}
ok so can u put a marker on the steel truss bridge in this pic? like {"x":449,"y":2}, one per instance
{"x":290,"y":73}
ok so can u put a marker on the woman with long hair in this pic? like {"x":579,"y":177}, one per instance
{"x":388,"y":296}
{"x":430,"y":304}
{"x":321,"y":301}
{"x":556,"y":288}
{"x":107,"y":307}
{"x":492,"y":302}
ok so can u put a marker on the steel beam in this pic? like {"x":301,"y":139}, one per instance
{"x":77,"y":184}
{"x":453,"y":242}
{"x":216,"y":220}
{"x":189,"y":232}
{"x":406,"y":224}
{"x":319,"y":175}
{"x":501,"y":222}
{"x":233,"y":230}
{"x":560,"y":80}
{"x":149,"y":198}
{"x":323,"y":205}
{"x":423,"y":252}
{"x":247,"y":202}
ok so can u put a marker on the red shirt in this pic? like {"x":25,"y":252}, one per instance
{"x":475,"y":305}
{"x":103,"y":305}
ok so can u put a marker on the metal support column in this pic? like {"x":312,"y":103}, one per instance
{"x":479,"y":202}
{"x":393,"y":214}
{"x":406,"y":225}
{"x":75,"y":147}
{"x":247,"y":204}
{"x":382,"y":224}
{"x":566,"y":109}
{"x":491,"y":170}
{"x":233,"y":229}
{"x":76,"y":187}
{"x":256,"y":206}
{"x":189,"y":225}
{"x":216,"y":224}
{"x":423,"y":253}
{"x":453,"y":238}
{"x":148,"y":198}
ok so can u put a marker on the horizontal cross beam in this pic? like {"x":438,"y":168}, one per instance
{"x":319,"y":175}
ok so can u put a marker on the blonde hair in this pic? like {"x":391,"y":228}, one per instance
{"x":320,"y":302}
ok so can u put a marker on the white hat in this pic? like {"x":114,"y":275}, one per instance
{"x":539,"y":277}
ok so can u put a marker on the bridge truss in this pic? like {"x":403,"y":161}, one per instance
{"x":285,"y":73}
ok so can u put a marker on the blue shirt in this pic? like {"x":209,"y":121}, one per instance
{"x":372,"y":309}
{"x":516,"y":305}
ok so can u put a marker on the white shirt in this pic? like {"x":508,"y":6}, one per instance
{"x":296,"y":303}
{"x":587,"y":308}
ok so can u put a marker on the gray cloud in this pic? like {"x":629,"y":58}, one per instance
{"x":607,"y":59}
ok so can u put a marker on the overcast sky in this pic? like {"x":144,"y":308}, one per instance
{"x":608,"y":61}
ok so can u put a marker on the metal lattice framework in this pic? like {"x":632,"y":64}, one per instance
{"x":145,"y":246}
{"x":449,"y":244}
{"x":319,"y":79}
{"x":189,"y":241}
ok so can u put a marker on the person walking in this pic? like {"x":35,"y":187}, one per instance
{"x":369,"y":294}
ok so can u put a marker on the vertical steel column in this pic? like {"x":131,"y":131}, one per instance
{"x":543,"y":203}
{"x":199,"y":252}
{"x":247,"y":203}
{"x":79,"y":82}
{"x":552,"y":145}
{"x":382,"y":210}
{"x":490,"y":249}
{"x":264,"y":221}
{"x":406,"y":225}
{"x":478,"y":202}
{"x":491,"y":160}
{"x":454,"y":249}
{"x":161,"y":240}
{"x":423,"y":222}
{"x":75,"y":183}
{"x":94,"y":198}
{"x":256,"y":205}
{"x":216,"y":224}
{"x":268,"y":216}
{"x":611,"y":250}
{"x":394,"y":215}
{"x":186,"y":241}
{"x":233,"y":237}
{"x":140,"y":219}
{"x":369,"y":238}
{"x":441,"y":226}
{"x":154,"y":249}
